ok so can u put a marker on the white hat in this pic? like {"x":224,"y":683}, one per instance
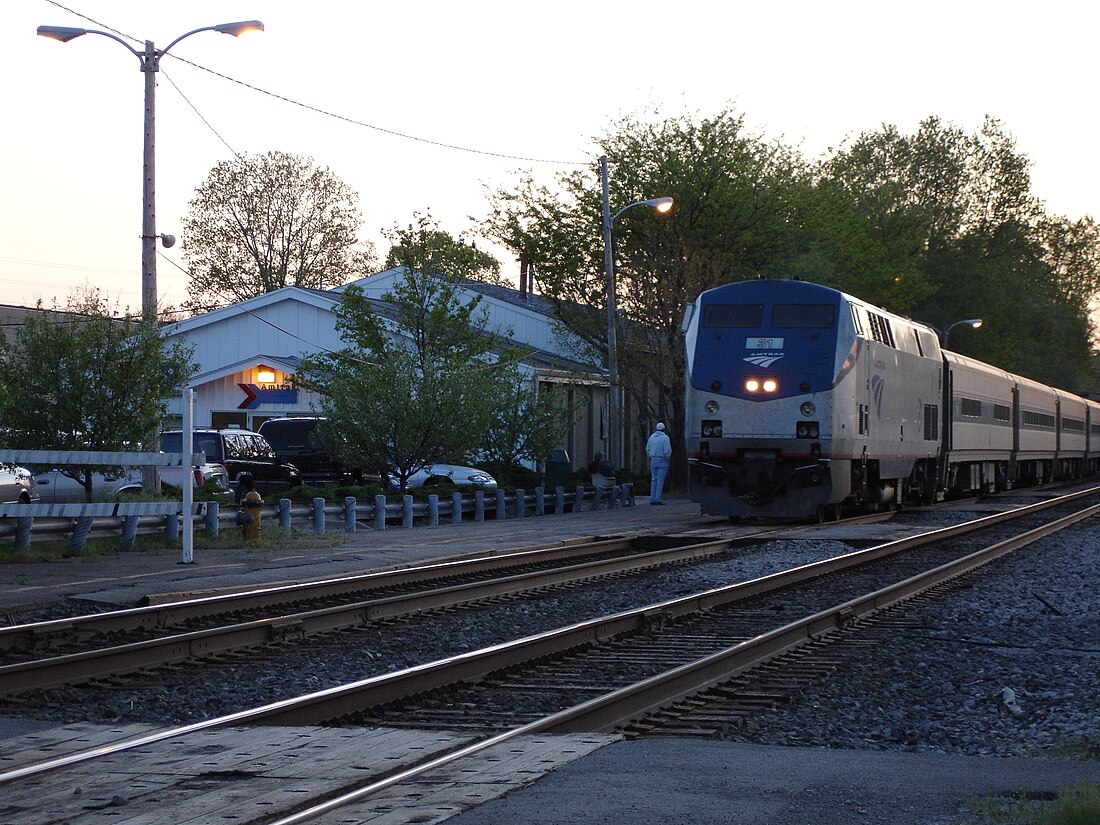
{"x":660,"y":426}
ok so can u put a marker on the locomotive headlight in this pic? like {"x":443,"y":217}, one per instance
{"x":752,"y":385}
{"x":711,"y":407}
{"x":770,"y":385}
{"x":808,"y":408}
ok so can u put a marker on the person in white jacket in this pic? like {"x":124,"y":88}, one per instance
{"x":659,"y":450}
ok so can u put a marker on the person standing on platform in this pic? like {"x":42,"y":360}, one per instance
{"x":659,"y":450}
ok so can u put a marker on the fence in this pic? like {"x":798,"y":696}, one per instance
{"x":79,"y":522}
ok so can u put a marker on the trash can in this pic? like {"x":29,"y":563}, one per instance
{"x":558,"y":470}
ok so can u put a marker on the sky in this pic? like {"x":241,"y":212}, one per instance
{"x":522,"y":86}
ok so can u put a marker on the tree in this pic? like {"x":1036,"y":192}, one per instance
{"x":415,"y":382}
{"x":424,"y":247}
{"x":262,"y":222}
{"x":980,"y":244}
{"x":528,"y":422}
{"x":82,"y":378}
{"x":737,"y":215}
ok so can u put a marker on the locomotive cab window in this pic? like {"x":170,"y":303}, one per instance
{"x":733,"y":316}
{"x":803,"y":316}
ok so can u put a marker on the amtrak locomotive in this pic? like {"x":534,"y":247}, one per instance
{"x":802,"y":400}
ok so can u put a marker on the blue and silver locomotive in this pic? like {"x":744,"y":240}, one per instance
{"x":802,"y":399}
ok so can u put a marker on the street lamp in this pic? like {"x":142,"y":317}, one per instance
{"x":614,"y":435}
{"x":149,"y":58}
{"x":972,"y":322}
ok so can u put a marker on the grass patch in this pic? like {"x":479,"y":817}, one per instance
{"x":272,"y":540}
{"x":1071,"y":805}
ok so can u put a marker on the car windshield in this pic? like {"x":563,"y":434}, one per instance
{"x":202,"y":443}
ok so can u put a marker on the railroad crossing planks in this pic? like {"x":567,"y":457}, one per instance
{"x":243,"y":774}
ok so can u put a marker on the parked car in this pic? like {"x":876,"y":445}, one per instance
{"x":294,"y":441}
{"x":248,"y":458}
{"x":56,"y":487}
{"x":435,"y":474}
{"x":17,"y":485}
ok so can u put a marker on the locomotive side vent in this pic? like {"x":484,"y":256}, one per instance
{"x":864,"y":421}
{"x":931,"y":422}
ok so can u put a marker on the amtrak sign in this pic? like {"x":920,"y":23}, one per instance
{"x":257,"y":394}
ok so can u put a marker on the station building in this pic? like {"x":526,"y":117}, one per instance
{"x":247,"y":354}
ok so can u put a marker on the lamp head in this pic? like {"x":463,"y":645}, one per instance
{"x":662,"y":205}
{"x":62,"y":33}
{"x":975,"y":322}
{"x":237,"y":29}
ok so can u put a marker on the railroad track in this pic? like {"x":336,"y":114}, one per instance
{"x":643,"y":678}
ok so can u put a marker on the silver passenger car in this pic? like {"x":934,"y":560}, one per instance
{"x":17,"y":485}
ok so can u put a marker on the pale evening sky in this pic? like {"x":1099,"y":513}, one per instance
{"x":527,"y":80}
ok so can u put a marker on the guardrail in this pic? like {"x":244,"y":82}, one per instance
{"x":79,"y":522}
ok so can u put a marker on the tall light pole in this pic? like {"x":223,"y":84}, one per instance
{"x":972,"y":322}
{"x":614,"y":425}
{"x":149,"y":58}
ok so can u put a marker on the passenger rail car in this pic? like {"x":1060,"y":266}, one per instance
{"x":802,"y":399}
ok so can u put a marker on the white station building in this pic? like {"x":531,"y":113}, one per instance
{"x":248,"y":352}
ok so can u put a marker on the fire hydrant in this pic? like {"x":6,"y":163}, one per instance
{"x":249,"y":515}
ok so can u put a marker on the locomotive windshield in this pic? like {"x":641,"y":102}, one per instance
{"x":733,"y":316}
{"x":803,"y":316}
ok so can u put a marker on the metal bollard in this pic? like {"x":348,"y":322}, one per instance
{"x":597,"y":495}
{"x":540,"y":501}
{"x":406,"y":511}
{"x":212,"y":523}
{"x":559,"y":501}
{"x":612,"y":496}
{"x":578,"y":500}
{"x":502,"y":506}
{"x":284,"y":514}
{"x":80,"y":533}
{"x":479,"y":505}
{"x":456,"y":508}
{"x":521,"y":504}
{"x":433,"y":510}
{"x":129,"y":533}
{"x":628,"y":495}
{"x":379,"y":512}
{"x":349,"y":514}
{"x":171,"y":528}
{"x":23,"y":526}
{"x":318,"y":515}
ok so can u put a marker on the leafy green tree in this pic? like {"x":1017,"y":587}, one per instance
{"x":262,"y":222}
{"x":414,"y":383}
{"x":424,"y":247}
{"x":83,"y":378}
{"x":528,"y":421}
{"x":979,"y":243}
{"x":735,"y":197}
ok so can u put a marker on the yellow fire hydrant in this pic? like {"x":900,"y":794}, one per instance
{"x":249,"y":515}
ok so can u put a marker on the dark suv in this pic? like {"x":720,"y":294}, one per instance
{"x":248,"y":458}
{"x":294,"y":441}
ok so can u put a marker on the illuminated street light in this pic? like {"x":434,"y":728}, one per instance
{"x":971,"y":322}
{"x":614,"y":434}
{"x":149,"y":58}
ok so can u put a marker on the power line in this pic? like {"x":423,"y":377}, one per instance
{"x":326,"y":113}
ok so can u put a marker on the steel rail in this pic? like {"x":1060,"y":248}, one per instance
{"x":73,"y":668}
{"x":380,"y":689}
{"x":171,"y":613}
{"x":627,"y":704}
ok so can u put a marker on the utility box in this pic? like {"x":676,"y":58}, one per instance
{"x":558,"y":470}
